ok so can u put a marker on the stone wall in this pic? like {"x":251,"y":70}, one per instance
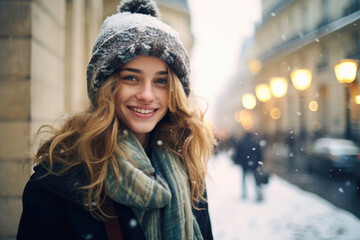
{"x":31,"y":83}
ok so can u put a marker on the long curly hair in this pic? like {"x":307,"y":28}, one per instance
{"x":90,"y":138}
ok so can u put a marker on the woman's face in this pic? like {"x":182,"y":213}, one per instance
{"x":142,"y":100}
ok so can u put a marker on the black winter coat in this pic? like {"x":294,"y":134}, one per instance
{"x":53,"y":209}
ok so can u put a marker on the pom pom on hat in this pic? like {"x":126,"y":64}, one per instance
{"x":147,"y":7}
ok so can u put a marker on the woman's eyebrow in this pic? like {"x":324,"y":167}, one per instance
{"x":131,"y":70}
{"x":162,"y":73}
{"x":139,"y":71}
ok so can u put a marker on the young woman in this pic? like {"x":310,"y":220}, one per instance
{"x":133,"y":165}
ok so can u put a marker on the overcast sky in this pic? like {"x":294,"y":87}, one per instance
{"x":218,"y":28}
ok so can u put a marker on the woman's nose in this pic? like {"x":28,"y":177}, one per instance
{"x":145,"y":93}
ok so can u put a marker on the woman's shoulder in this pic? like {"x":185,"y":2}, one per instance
{"x":66,"y":185}
{"x":51,"y":203}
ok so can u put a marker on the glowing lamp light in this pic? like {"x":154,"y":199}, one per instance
{"x":278,"y":86}
{"x":301,"y":79}
{"x":275,"y":113}
{"x":237,"y":116}
{"x":313,"y":106}
{"x":249,"y":101}
{"x":246,"y":119}
{"x":255,"y":66}
{"x":345,"y":70}
{"x":357,"y":99}
{"x":263,"y":92}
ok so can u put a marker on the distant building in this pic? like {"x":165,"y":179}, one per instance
{"x":315,"y":35}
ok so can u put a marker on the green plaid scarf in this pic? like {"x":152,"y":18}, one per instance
{"x":157,"y":191}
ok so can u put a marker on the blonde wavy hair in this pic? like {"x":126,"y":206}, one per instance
{"x":90,"y":138}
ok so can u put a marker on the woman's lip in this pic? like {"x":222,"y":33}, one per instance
{"x":143,"y":112}
{"x":143,"y":107}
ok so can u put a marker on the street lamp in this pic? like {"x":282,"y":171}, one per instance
{"x":278,"y":86}
{"x":275,"y":113}
{"x":245,"y":118}
{"x":357,"y":99}
{"x":301,"y":79}
{"x":345,"y":72}
{"x":263,"y":92}
{"x":249,"y":101}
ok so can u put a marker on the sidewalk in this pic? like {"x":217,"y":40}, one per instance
{"x":287,"y":212}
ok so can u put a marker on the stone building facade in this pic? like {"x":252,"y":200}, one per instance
{"x":45,"y":46}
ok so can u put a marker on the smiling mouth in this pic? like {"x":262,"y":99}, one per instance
{"x":141,"y":110}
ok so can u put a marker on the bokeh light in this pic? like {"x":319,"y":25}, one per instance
{"x":275,"y":113}
{"x":255,"y":66}
{"x":313,"y":106}
{"x":357,"y":99}
{"x":278,"y":86}
{"x":301,"y":79}
{"x":263,"y":92}
{"x":345,"y":70}
{"x":246,"y":119}
{"x":249,"y":101}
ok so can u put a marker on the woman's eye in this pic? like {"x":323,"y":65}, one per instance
{"x":129,"y":78}
{"x":161,"y":81}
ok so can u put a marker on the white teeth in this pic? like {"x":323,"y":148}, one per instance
{"x":143,"y":111}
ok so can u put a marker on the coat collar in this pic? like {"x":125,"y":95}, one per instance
{"x":67,"y":185}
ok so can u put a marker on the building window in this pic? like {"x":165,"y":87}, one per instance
{"x":324,"y":108}
{"x":305,"y":17}
{"x":323,"y":60}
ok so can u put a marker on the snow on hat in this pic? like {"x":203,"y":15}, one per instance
{"x":135,"y":30}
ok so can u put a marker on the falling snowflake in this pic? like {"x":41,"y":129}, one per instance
{"x":133,"y":223}
{"x":159,"y":142}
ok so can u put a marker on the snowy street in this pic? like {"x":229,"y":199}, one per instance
{"x":286,"y":213}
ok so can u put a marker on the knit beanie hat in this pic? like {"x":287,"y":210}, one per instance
{"x":135,"y":30}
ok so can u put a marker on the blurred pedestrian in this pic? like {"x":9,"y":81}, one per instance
{"x":248,"y":155}
{"x":290,"y":142}
{"x":133,"y":164}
